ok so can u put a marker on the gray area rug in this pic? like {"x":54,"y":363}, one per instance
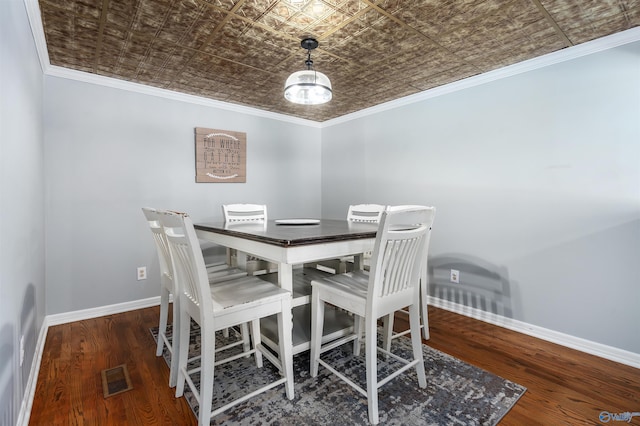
{"x":456,"y":394}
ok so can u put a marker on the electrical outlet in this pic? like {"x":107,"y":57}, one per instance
{"x":455,"y":276}
{"x":142,"y":273}
{"x":21,"y":350}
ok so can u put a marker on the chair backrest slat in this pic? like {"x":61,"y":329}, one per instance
{"x":192,"y":282}
{"x":162,"y":248}
{"x":244,"y":212}
{"x":365,"y":213}
{"x":399,"y":252}
{"x":188,"y":276}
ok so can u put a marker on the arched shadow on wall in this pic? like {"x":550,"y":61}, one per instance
{"x":7,"y":379}
{"x":28,"y":332}
{"x":482,"y":285}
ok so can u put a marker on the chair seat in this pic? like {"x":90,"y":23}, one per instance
{"x":228,"y":273}
{"x":241,"y":292}
{"x":350,"y":284}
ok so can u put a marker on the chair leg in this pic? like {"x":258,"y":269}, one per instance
{"x":357,"y":330}
{"x":241,"y":260}
{"x":416,"y":343}
{"x":206,"y":377}
{"x":164,"y":315}
{"x":230,"y":257}
{"x":372,"y":370}
{"x":317,"y":319}
{"x":424,"y":316}
{"x":181,"y":356}
{"x":285,"y":345}
{"x":424,"y":307}
{"x":175,"y":343}
{"x":246,"y":337}
{"x":387,"y":331}
{"x":257,"y":339}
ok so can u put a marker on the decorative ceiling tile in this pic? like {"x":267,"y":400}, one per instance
{"x":374,"y":51}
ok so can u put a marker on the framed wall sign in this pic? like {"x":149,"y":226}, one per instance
{"x":221,"y":155}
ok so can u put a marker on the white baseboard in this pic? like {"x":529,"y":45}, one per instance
{"x":100,"y":311}
{"x":608,"y":352}
{"x":32,"y":381}
{"x":57,"y":319}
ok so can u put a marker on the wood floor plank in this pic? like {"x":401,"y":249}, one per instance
{"x":564,"y":386}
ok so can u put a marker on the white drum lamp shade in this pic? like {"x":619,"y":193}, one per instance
{"x":308,"y":87}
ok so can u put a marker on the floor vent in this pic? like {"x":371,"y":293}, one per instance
{"x":115,"y":380}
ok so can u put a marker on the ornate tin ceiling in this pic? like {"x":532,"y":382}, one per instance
{"x":373,"y":51}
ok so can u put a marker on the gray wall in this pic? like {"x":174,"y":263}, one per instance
{"x":536,"y":181}
{"x":110,"y":152}
{"x":22,"y":283}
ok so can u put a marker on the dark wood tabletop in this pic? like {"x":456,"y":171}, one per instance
{"x":326,"y":231}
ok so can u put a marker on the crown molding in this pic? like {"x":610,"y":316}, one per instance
{"x":35,"y":21}
{"x":85,"y":77}
{"x":567,"y":54}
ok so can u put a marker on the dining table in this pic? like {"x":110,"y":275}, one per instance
{"x":291,"y":243}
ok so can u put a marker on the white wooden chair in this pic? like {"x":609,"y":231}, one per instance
{"x":167,"y":289}
{"x":236,"y":301}
{"x":388,"y":333}
{"x":392,"y":284}
{"x":166,"y":276}
{"x":239,"y":215}
{"x":362,"y":213}
{"x":365,"y":213}
{"x":244,"y":212}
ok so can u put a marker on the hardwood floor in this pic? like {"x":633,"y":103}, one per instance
{"x":69,"y":388}
{"x":563,"y":386}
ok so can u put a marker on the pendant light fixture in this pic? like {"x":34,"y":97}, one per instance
{"x":308,"y":87}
